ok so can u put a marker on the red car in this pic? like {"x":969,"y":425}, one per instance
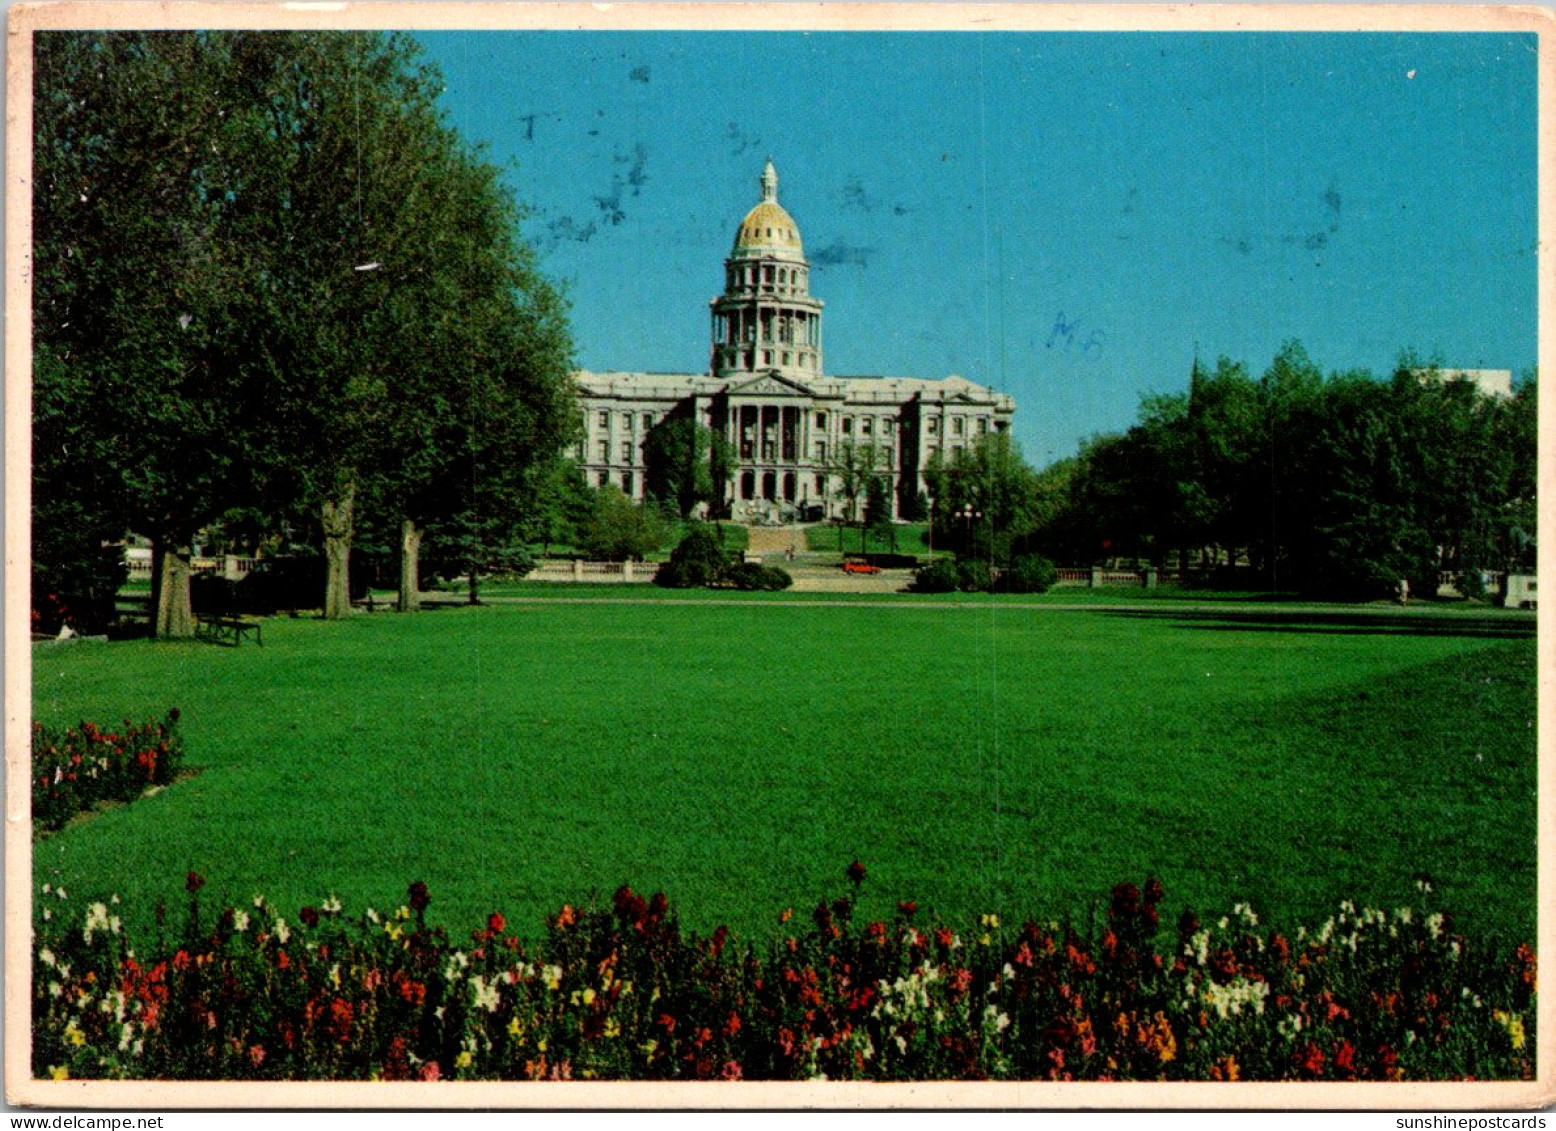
{"x":860,"y":567}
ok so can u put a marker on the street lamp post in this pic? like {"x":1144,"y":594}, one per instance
{"x":931,"y":499}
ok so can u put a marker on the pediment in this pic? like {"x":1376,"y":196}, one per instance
{"x":771,"y":385}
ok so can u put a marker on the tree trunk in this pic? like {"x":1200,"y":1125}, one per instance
{"x":410,"y":567}
{"x":475,"y":593}
{"x":337,"y":516}
{"x":175,"y":614}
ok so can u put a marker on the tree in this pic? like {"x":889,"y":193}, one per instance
{"x":620,"y":530}
{"x":877,"y":511}
{"x":146,"y":405}
{"x":679,"y":472}
{"x":854,"y":467}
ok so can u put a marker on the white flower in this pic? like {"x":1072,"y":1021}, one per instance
{"x":331,"y":905}
{"x":240,"y":921}
{"x":483,"y":996}
{"x":56,"y":990}
{"x":1434,"y":924}
{"x":46,"y":956}
{"x":372,"y":915}
{"x":283,"y":932}
{"x":1402,"y":914}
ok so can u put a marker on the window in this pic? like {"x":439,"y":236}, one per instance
{"x":786,"y":357}
{"x":626,"y":421}
{"x":848,"y":425}
{"x":821,"y":451}
{"x":748,"y":485}
{"x":821,"y":420}
{"x":932,"y":425}
{"x":821,"y":486}
{"x":865,"y":426}
{"x":956,"y":425}
{"x":605,"y":450}
{"x":605,"y":419}
{"x":886,"y":427}
{"x":626,"y":451}
{"x":626,"y":483}
{"x":603,"y":479}
{"x":887,"y":453}
{"x":648,"y":421}
{"x":983,"y":426}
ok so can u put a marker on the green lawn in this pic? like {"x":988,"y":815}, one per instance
{"x":910,"y":540}
{"x":989,"y":758}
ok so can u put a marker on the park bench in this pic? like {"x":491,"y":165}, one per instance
{"x":232,"y":628}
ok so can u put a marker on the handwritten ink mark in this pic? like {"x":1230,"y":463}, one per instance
{"x":1070,"y":337}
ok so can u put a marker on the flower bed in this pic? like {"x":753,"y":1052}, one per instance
{"x":75,"y":769}
{"x":620,"y":992}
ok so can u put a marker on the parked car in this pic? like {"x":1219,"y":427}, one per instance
{"x":860,"y":567}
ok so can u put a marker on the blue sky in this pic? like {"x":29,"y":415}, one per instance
{"x":1061,"y":216}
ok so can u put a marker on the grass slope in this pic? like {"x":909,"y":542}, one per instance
{"x":738,"y":757}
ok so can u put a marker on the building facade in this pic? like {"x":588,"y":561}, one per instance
{"x":788,"y":427}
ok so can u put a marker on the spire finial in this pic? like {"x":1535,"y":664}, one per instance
{"x":770,"y":182}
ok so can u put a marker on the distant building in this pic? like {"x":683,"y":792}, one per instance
{"x":765,"y":391}
{"x":1490,"y":382}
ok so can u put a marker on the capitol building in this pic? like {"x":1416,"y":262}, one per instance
{"x":787,"y":424}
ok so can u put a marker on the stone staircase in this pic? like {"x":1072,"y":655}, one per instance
{"x":773,"y":541}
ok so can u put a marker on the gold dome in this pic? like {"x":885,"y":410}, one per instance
{"x":768,"y":227}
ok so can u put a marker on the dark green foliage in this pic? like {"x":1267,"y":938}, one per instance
{"x":698,"y":561}
{"x":269,"y":276}
{"x":1340,"y":487}
{"x":940,"y":576}
{"x":1029,"y":573}
{"x":617,"y":529}
{"x":677,"y":469}
{"x":973,"y":575}
{"x":755,"y":576}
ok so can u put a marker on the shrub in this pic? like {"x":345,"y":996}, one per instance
{"x":699,"y":560}
{"x":621,"y":992}
{"x":937,"y":577}
{"x":753,"y":575}
{"x":1030,"y":573}
{"x":972,"y":575}
{"x":75,"y":769}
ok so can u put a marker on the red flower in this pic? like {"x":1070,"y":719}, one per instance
{"x":341,"y":1016}
{"x":731,"y":1070}
{"x":907,"y":907}
{"x":194,"y":882}
{"x":1310,"y":1059}
{"x":419,"y":896}
{"x":495,"y":923}
{"x":309,"y":916}
{"x":856,"y":873}
{"x":1345,"y":1057}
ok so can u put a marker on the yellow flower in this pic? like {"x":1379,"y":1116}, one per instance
{"x":991,"y":921}
{"x":541,"y":1045}
{"x":74,"y":1036}
{"x":1512,"y":1022}
{"x":58,"y":1073}
{"x":986,"y":939}
{"x":514,"y":1028}
{"x":612,"y":1029}
{"x":588,"y":996}
{"x":464,"y":1060}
